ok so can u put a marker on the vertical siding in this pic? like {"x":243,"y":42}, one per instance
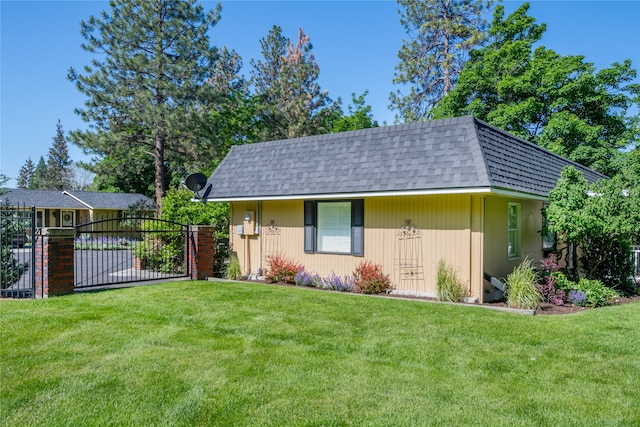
{"x":444,"y":223}
{"x":246,"y":247}
{"x":496,"y":260}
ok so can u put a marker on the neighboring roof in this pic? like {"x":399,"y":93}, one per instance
{"x":97,"y":200}
{"x":54,"y":199}
{"x":452,"y":155}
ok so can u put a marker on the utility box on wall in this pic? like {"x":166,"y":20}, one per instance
{"x":249,"y":223}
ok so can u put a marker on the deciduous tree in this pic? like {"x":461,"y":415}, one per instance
{"x":359,"y":116}
{"x":602,"y":218}
{"x":560,"y":102}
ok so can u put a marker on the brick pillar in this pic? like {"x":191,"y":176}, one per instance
{"x":54,"y":262}
{"x":200,"y":252}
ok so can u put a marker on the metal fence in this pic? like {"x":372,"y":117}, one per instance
{"x":17,"y":258}
{"x":129,"y":249}
{"x":635,"y":256}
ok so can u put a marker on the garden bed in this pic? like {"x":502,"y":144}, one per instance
{"x":545,"y":308}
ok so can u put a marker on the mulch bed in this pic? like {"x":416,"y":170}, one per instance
{"x":545,"y":308}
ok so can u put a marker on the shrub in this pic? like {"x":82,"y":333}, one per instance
{"x":338,"y":283}
{"x":521,"y":290}
{"x":449,"y":287}
{"x":596,"y":294}
{"x":549,"y":265}
{"x":281,"y":270}
{"x":233,"y":269}
{"x":302,"y":278}
{"x":369,"y":279}
{"x":550,"y":293}
{"x":608,"y":259}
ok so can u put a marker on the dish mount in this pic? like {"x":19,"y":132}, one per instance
{"x":196,"y":182}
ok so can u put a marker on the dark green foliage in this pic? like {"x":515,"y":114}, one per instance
{"x":151,"y":81}
{"x":441,"y":34}
{"x":359,"y":116}
{"x":38,"y":180}
{"x":596,"y":294}
{"x":602,"y":218}
{"x":291,"y":103}
{"x":559,"y":102}
{"x":610,"y":261}
{"x":11,"y":270}
{"x":26,"y":174}
{"x":177,"y":206}
{"x":58,"y":174}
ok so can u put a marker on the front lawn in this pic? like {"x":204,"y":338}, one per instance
{"x":218,"y":353}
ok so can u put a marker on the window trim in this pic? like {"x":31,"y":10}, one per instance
{"x":357,"y":227}
{"x":510,"y":255}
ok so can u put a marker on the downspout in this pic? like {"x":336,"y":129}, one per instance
{"x":259,"y":233}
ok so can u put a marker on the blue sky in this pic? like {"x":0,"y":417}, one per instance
{"x":355,"y":43}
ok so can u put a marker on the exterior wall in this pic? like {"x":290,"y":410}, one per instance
{"x":407,"y":235}
{"x":497,"y":262}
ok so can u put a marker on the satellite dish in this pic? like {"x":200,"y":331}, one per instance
{"x":195,"y":182}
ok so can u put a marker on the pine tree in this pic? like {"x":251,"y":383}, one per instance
{"x":286,"y":82}
{"x":148,"y":80}
{"x":26,"y":174}
{"x":441,"y":34}
{"x":39,"y":178}
{"x":58,"y":173}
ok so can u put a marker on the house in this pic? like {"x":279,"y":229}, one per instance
{"x":68,"y":208}
{"x":405,"y":196}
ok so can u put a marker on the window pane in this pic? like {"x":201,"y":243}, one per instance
{"x":513,"y":235}
{"x":334,"y":227}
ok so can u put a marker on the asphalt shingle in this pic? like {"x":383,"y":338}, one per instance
{"x":458,"y":153}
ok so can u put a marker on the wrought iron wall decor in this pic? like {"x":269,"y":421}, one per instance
{"x":271,"y":239}
{"x":409,"y":262}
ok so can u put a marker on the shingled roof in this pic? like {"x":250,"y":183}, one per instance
{"x":455,"y":155}
{"x":55,"y":199}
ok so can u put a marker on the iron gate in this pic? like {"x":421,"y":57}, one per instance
{"x":129,"y":249}
{"x":17,"y":258}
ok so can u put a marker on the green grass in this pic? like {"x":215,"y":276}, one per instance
{"x":217,"y":353}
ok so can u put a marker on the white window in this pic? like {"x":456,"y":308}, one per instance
{"x":513,"y":233}
{"x":334,"y":227}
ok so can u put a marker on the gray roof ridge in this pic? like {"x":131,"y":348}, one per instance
{"x":67,"y":193}
{"x":482,"y":165}
{"x":538,"y":147}
{"x":357,"y":132}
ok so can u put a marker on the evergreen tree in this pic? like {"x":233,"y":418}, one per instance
{"x":286,"y":83}
{"x":441,"y":34}
{"x":26,"y":174}
{"x":39,"y":178}
{"x":559,"y":102}
{"x":10,"y":268}
{"x":146,"y":85}
{"x":59,"y":172}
